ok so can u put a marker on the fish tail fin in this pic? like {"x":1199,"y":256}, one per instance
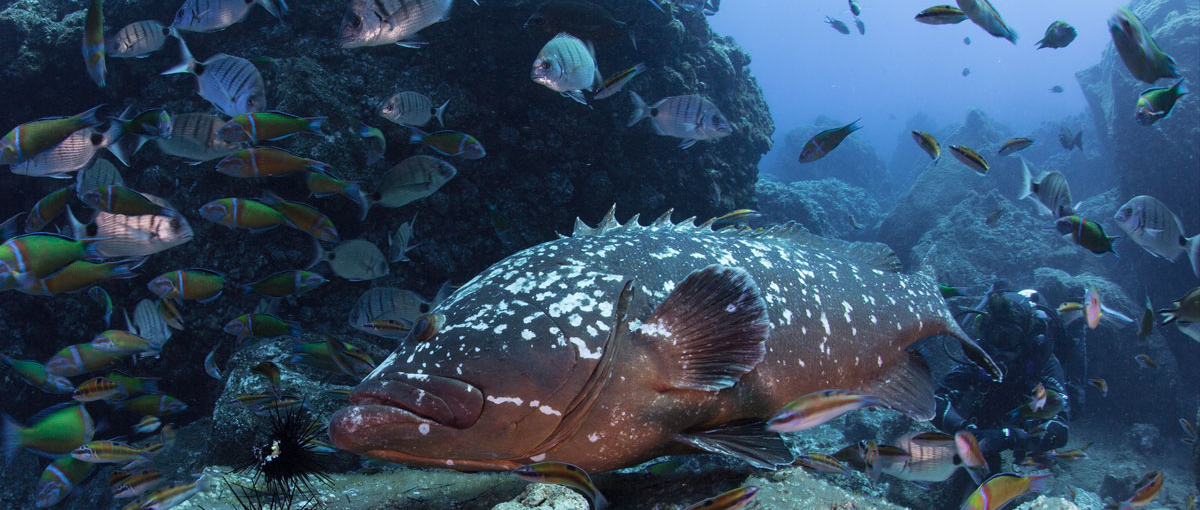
{"x":629,"y":28}
{"x":853,"y":126}
{"x":417,"y":135}
{"x":599,"y":502}
{"x":123,"y":271}
{"x":1039,"y":483}
{"x":187,"y":63}
{"x":441,"y":110}
{"x":317,"y":125}
{"x":1192,"y":245}
{"x":89,"y":117}
{"x":640,"y":110}
{"x":294,"y":328}
{"x":1180,"y":88}
{"x":150,"y":386}
{"x":277,"y":8}
{"x":1026,"y":180}
{"x":12,"y":438}
{"x":112,"y":142}
{"x":1078,"y":142}
{"x":318,"y":257}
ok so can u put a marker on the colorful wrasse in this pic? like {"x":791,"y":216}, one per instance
{"x":105,"y":452}
{"x":129,"y":485}
{"x":822,"y":463}
{"x":170,"y":313}
{"x":729,"y":500}
{"x":821,"y":143}
{"x":614,"y":83}
{"x":80,"y":275}
{"x":79,"y":359}
{"x":317,"y":354}
{"x":376,"y":143}
{"x":739,"y":217}
{"x":210,"y":363}
{"x":134,"y":385}
{"x":147,"y":424}
{"x":59,"y":478}
{"x":99,"y":388}
{"x":1145,"y":361}
{"x":32,"y":138}
{"x":1085,"y":233}
{"x":270,"y":371}
{"x":949,"y":292}
{"x":563,"y":474}
{"x":151,"y":405}
{"x":192,"y":284}
{"x":264,"y":126}
{"x":1146,"y":325}
{"x":322,"y":185}
{"x":386,"y":327}
{"x":1101,"y":385}
{"x":304,"y":218}
{"x":1038,"y":400}
{"x":1092,"y":308}
{"x":969,"y":157}
{"x":1014,"y":145}
{"x":1054,"y":405}
{"x":449,"y":143}
{"x":286,"y":283}
{"x":101,"y":297}
{"x":941,"y":15}
{"x":93,"y":42}
{"x":47,"y":209}
{"x":38,"y":376}
{"x":1156,"y":103}
{"x":1137,"y":48}
{"x":55,"y":431}
{"x":1072,"y":455}
{"x":252,"y":215}
{"x":266,"y":162}
{"x":1002,"y":488}
{"x":31,"y":257}
{"x":984,"y":15}
{"x":117,"y":199}
{"x":817,"y":408}
{"x":122,"y":342}
{"x":928,"y":143}
{"x":261,"y":325}
{"x":1147,"y":489}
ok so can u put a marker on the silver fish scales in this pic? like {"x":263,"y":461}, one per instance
{"x":138,"y":39}
{"x":232,"y":84}
{"x":194,"y":137}
{"x":378,"y":22}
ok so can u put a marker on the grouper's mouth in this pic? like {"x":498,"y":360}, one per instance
{"x":420,"y":398}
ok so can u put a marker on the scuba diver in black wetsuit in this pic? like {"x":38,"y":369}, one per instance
{"x":1022,"y":335}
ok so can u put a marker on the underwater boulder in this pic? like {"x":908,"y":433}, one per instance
{"x":823,"y":206}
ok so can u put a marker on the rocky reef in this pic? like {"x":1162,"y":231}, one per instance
{"x":823,"y":206}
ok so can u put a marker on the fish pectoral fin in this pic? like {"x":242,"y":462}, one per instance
{"x":1153,"y":232}
{"x":748,"y":440}
{"x":709,"y":331}
{"x":905,"y":386}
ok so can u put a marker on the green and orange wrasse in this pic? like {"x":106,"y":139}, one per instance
{"x":928,"y":143}
{"x":316,"y":354}
{"x":1000,"y":489}
{"x":321,"y":184}
{"x":244,"y":213}
{"x":32,"y":138}
{"x":107,"y":452}
{"x":286,"y":283}
{"x":101,"y":297}
{"x":449,"y":143}
{"x":31,"y":257}
{"x":59,"y":479}
{"x":270,"y":125}
{"x":338,"y":392}
{"x":154,"y":404}
{"x":170,"y":314}
{"x":131,"y":485}
{"x":38,"y":376}
{"x":1099,"y":384}
{"x":1086,"y":233}
{"x":1145,"y":361}
{"x":48,"y":208}
{"x":135,"y":385}
{"x":152,"y":449}
{"x":93,"y":42}
{"x":941,"y":15}
{"x":304,"y":218}
{"x":117,"y":199}
{"x":949,"y":292}
{"x":197,"y":284}
{"x":80,"y":275}
{"x":738,"y":217}
{"x":55,"y":431}
{"x":1147,"y":489}
{"x":99,"y":388}
{"x":376,"y":143}
{"x":266,"y":162}
{"x":614,"y":83}
{"x":271,"y":372}
{"x":1054,"y":405}
{"x":150,"y":124}
{"x":170,"y":497}
{"x":261,"y":325}
{"x":662,"y":467}
{"x":1155,"y":104}
{"x":1014,"y":145}
{"x":342,"y":359}
{"x":825,"y":141}
{"x":818,"y":408}
{"x":122,"y":342}
{"x":728,"y":500}
{"x":567,"y":475}
{"x":80,"y":359}
{"x":1138,"y":50}
{"x":969,"y":157}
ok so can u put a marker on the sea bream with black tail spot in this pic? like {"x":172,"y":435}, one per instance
{"x":624,"y":342}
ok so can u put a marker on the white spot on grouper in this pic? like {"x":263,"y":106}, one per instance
{"x":846,"y":306}
{"x":505,"y":400}
{"x":584,"y":352}
{"x":423,"y":428}
{"x":825,"y":322}
{"x":528,"y":335}
{"x":547,"y":410}
{"x":538,"y":458}
{"x":500,"y":329}
{"x":593,"y":437}
{"x":787,"y":317}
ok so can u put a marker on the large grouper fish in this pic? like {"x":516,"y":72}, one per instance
{"x":624,"y":342}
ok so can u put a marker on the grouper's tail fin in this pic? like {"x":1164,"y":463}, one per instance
{"x":950,"y":327}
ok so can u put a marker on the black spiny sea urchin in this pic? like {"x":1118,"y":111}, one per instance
{"x":288,"y":466}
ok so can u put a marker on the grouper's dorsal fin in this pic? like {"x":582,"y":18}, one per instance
{"x":877,"y":255}
{"x":709,"y":331}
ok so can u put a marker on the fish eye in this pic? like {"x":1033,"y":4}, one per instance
{"x":175,"y":223}
{"x":179,"y":15}
{"x":544,"y":65}
{"x":356,"y":22}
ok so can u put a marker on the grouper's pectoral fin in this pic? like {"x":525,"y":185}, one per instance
{"x":748,"y":440}
{"x":708,"y":332}
{"x":905,"y":387}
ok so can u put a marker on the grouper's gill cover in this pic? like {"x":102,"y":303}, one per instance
{"x":623,"y":343}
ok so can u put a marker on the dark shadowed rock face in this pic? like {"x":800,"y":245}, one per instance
{"x":823,"y":206}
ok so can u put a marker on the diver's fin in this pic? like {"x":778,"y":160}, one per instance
{"x":905,"y":386}
{"x":748,"y":440}
{"x":709,"y":331}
